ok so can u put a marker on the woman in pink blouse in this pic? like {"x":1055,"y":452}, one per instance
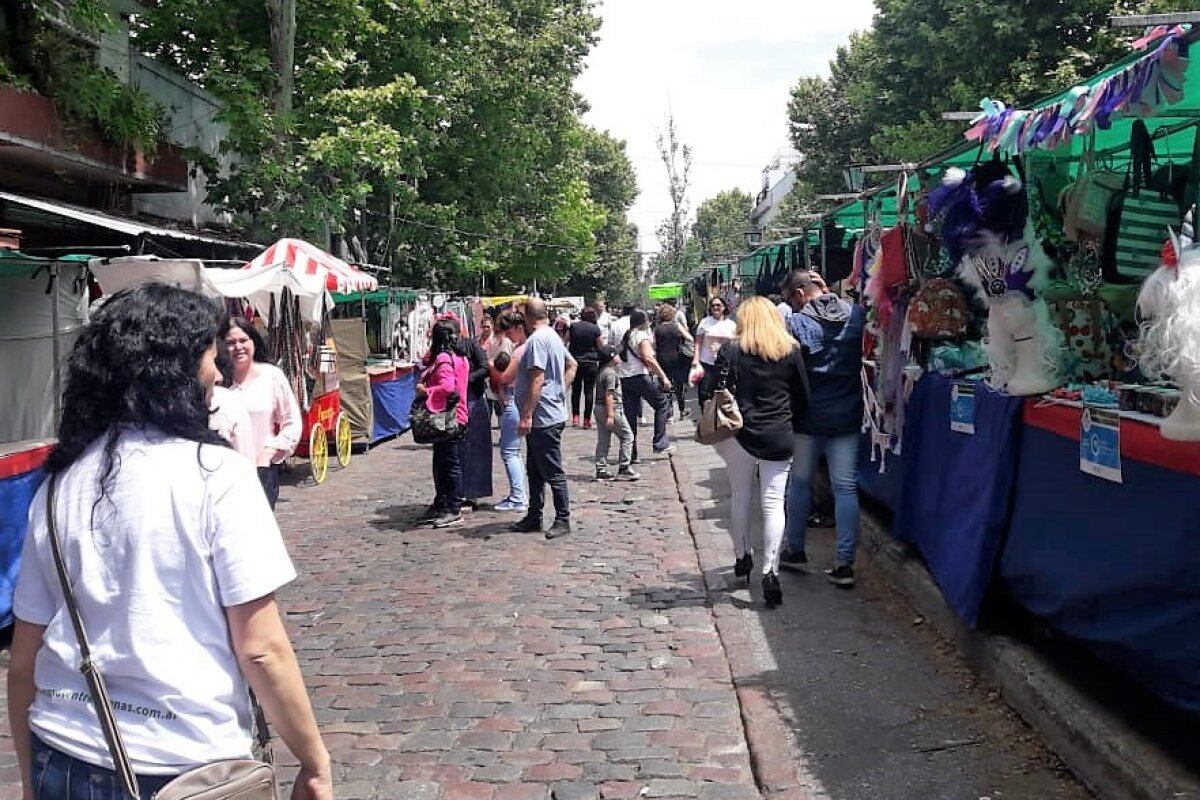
{"x":444,"y":382}
{"x":268,"y":398}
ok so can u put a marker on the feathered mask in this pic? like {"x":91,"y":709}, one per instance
{"x":987,"y":199}
{"x":996,"y":268}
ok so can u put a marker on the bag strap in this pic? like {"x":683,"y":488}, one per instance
{"x":98,"y":689}
{"x":99,"y":692}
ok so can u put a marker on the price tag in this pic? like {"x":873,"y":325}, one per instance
{"x":962,"y":408}
{"x":1100,"y":444}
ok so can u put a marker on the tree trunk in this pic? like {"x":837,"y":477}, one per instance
{"x":282,"y":16}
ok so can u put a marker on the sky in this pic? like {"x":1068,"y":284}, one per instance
{"x":724,"y":68}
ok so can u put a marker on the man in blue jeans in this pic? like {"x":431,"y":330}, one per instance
{"x":830,"y":331}
{"x":545,"y":371}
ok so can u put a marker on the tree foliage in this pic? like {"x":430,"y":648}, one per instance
{"x":442,"y":138}
{"x":677,"y":256}
{"x":721,"y":224}
{"x":888,"y":86}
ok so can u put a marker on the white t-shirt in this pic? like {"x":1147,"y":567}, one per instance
{"x":631,"y":364}
{"x":617,"y":331}
{"x":183,"y":532}
{"x":716,"y":333}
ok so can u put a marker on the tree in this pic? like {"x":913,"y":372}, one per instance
{"x":443,"y":138}
{"x":673,"y":233}
{"x":721,"y":224}
{"x":612,"y":184}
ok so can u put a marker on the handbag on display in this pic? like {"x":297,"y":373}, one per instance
{"x":240,"y":778}
{"x":1087,"y":201}
{"x":939,"y":310}
{"x":720,"y":418}
{"x":432,"y":427}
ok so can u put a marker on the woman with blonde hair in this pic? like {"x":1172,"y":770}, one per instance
{"x":764,"y":369}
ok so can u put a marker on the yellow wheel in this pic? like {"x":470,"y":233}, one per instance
{"x":345,"y":439}
{"x":318,"y":453}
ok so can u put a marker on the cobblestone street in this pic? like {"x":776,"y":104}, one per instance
{"x":474,"y":663}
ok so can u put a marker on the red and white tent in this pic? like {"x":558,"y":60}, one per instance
{"x":315,"y":269}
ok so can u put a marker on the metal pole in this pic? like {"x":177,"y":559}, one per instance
{"x":57,"y":347}
{"x":822,"y":235}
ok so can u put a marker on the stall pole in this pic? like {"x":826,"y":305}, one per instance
{"x":56,"y":345}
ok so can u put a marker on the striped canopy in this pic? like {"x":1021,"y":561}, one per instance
{"x":316,"y":270}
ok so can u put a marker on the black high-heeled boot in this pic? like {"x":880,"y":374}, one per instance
{"x":772,"y":591}
{"x":743,"y":566}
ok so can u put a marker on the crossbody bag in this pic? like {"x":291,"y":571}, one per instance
{"x":240,"y":778}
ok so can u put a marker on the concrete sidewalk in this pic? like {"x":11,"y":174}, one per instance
{"x":869,"y":701}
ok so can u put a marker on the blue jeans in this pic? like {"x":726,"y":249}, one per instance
{"x":841,"y":452}
{"x":58,"y":776}
{"x":510,"y":451}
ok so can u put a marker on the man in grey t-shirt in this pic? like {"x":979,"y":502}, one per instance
{"x":545,"y":371}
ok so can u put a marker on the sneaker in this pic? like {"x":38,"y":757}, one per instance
{"x":560,"y":528}
{"x":508,"y":504}
{"x":772,"y":591}
{"x":791,"y":559}
{"x":448,"y":520}
{"x":587,"y":424}
{"x":842,"y":575}
{"x":820,"y":521}
{"x":667,"y":451}
{"x":602,"y":474}
{"x":627,"y":474}
{"x":574,"y":422}
{"x":743,"y":566}
{"x":470,"y":504}
{"x":430,"y":514}
{"x":526,"y":525}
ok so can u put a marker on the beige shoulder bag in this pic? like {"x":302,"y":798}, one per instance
{"x":244,"y":779}
{"x":720,"y":418}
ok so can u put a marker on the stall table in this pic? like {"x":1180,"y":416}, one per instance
{"x":1113,"y":566}
{"x":954,"y":504}
{"x":21,"y":474}
{"x":393,"y":387}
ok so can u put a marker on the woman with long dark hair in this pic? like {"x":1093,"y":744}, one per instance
{"x":444,"y":383}
{"x":269,"y":400}
{"x":711,"y":335}
{"x":174,"y":557}
{"x":671,"y":340}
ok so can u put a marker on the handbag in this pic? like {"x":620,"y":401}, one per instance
{"x":939,"y":310}
{"x":720,"y":418}
{"x":240,"y":778}
{"x":432,"y":427}
{"x":1088,"y":199}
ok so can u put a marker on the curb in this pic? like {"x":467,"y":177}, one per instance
{"x":774,"y":760}
{"x":1114,"y":761}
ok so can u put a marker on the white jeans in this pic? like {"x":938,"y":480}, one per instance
{"x":772,"y":482}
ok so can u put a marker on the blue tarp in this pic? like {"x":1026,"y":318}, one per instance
{"x":391,"y":401}
{"x":1114,"y":566}
{"x":954,"y":504}
{"x":16,"y":493}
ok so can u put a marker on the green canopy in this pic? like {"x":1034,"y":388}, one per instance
{"x":378,"y":296}
{"x":1173,"y":129}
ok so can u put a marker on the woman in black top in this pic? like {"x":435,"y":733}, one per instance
{"x":766,"y":372}
{"x":670,"y":341}
{"x":585,"y":341}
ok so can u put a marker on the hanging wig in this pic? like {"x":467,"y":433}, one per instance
{"x":1170,"y":301}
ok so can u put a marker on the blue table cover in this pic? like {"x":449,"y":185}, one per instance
{"x":883,"y":487}
{"x":1114,"y":566}
{"x":956,"y":490}
{"x":16,"y":493}
{"x":391,"y":401}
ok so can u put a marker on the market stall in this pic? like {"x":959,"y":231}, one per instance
{"x":1036,"y":411}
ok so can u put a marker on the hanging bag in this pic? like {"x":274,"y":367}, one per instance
{"x":720,"y":418}
{"x":1145,"y":213}
{"x":241,"y":778}
{"x":432,"y":427}
{"x":1088,"y":199}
